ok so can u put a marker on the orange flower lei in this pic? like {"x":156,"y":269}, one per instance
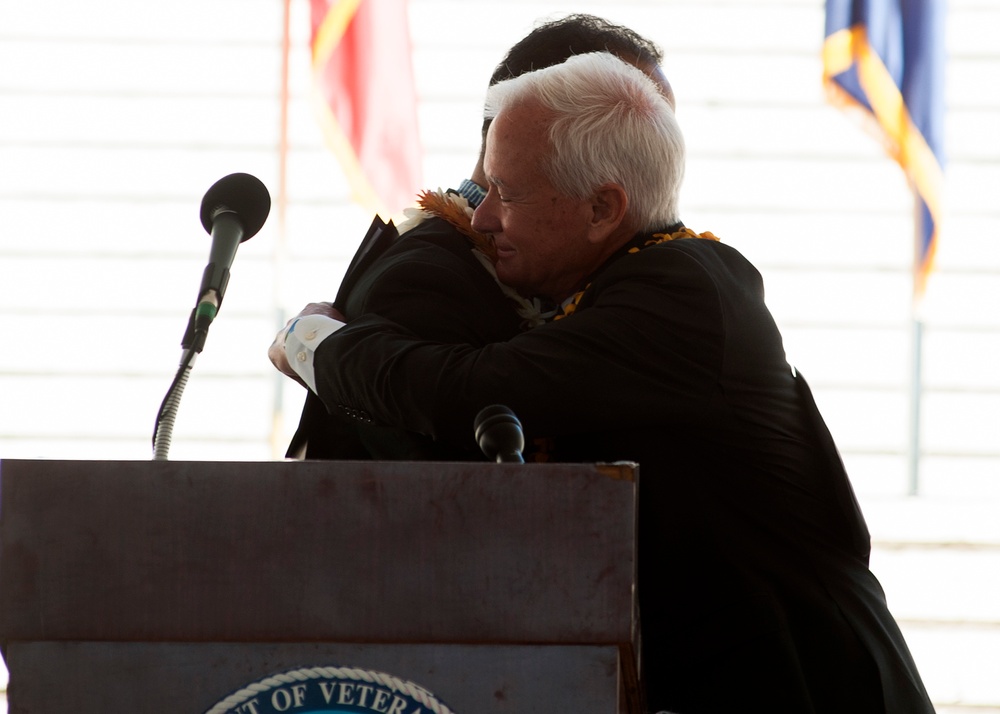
{"x":657,"y":238}
{"x":441,"y":205}
{"x":684,"y":232}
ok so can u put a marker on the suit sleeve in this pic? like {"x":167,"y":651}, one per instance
{"x":440,"y":293}
{"x":648,"y":340}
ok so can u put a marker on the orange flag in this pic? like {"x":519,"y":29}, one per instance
{"x":363,"y":81}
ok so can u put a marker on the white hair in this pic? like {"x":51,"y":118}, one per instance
{"x":611,"y":124}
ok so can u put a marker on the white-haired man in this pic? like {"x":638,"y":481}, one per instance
{"x":434,"y":279}
{"x":754,"y":587}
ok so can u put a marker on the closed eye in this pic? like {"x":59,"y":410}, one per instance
{"x":497,"y":187}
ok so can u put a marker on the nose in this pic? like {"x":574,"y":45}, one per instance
{"x":485,"y":219}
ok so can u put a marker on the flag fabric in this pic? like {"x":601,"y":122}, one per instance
{"x":887,"y":57}
{"x":363,"y":81}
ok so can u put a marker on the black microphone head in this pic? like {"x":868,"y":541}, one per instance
{"x":499,"y":433}
{"x":241,"y":194}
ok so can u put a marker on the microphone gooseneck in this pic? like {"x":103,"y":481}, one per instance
{"x":233,"y":210}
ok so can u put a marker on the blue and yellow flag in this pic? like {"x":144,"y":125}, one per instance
{"x":887,"y":57}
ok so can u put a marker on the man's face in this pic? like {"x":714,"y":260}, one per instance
{"x":544,"y":239}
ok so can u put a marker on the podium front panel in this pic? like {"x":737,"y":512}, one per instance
{"x":316,"y":551}
{"x":511,"y":579}
{"x":175,"y":678}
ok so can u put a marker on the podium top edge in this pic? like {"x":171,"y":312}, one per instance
{"x":617,"y":471}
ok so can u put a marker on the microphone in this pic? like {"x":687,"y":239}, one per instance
{"x":499,"y":434}
{"x":232,"y":211}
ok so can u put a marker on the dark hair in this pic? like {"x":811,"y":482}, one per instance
{"x":556,"y":41}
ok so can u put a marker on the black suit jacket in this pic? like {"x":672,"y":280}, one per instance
{"x":430,"y":281}
{"x":754,"y":587}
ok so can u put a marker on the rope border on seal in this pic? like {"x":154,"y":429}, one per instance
{"x":395,"y":684}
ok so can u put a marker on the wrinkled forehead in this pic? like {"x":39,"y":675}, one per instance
{"x":518,"y":138}
{"x":524,"y":122}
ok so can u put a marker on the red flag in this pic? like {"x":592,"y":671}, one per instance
{"x":363,"y":79}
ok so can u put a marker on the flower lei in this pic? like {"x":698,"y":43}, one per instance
{"x":455,"y":209}
{"x":543,"y":448}
{"x":570,"y":307}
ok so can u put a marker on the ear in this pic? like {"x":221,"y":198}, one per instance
{"x":608,"y":206}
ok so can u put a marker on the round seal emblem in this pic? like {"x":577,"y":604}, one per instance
{"x":331,"y":690}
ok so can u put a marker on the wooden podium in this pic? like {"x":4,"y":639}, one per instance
{"x":169,"y":586}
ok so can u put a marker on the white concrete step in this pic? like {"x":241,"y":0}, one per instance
{"x":939,"y":562}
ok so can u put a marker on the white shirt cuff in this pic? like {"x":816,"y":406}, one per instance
{"x":302,"y":338}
